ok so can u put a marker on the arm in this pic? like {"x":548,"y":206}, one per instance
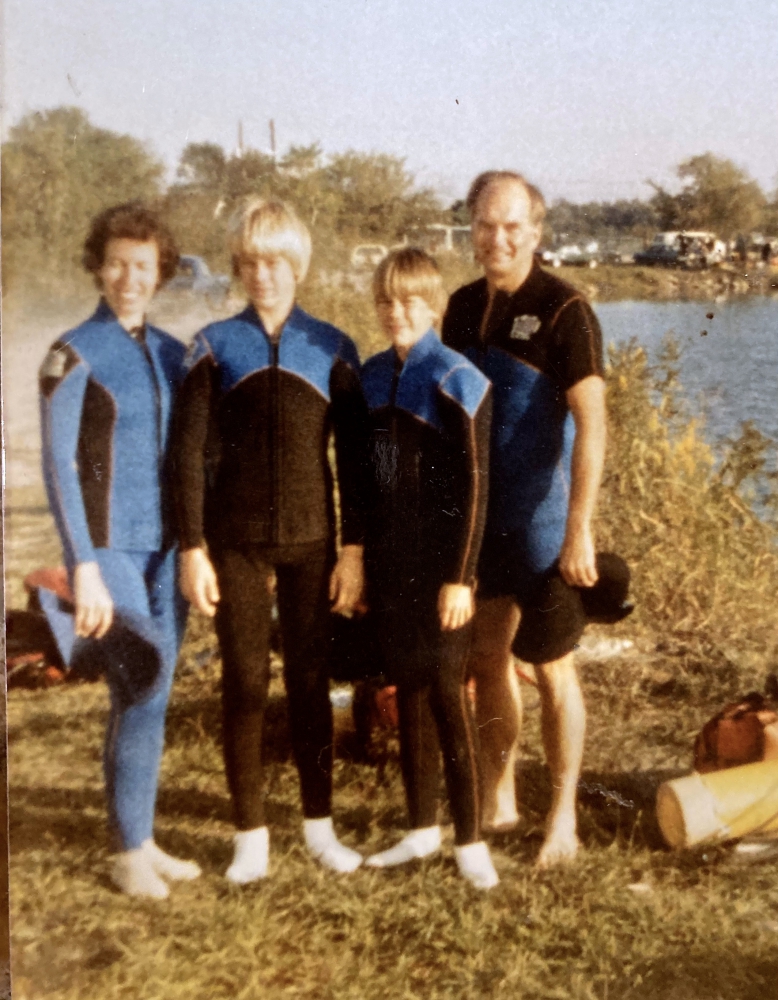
{"x":191,"y":421}
{"x":586,"y":400}
{"x":188,"y":440}
{"x":350,"y":420}
{"x":471,"y":429}
{"x":63,"y":380}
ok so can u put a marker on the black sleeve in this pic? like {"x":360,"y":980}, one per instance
{"x":577,"y":343}
{"x":351,"y":423}
{"x":470,"y":481}
{"x":189,"y":438}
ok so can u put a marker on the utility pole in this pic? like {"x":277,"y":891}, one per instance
{"x":273,"y":139}
{"x":239,"y":150}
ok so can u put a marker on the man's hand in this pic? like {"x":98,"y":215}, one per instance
{"x":94,"y":605}
{"x":348,"y":580}
{"x":577,"y":558}
{"x":455,"y":606}
{"x":197,"y":580}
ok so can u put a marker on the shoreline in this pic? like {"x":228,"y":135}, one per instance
{"x":627,"y":282}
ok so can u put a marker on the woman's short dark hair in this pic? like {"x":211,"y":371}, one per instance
{"x":131,"y":221}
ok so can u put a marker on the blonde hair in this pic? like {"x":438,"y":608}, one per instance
{"x":410,"y":271}
{"x":269,"y":228}
{"x":485,"y":180}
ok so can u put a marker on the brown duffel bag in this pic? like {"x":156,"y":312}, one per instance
{"x":742,"y":733}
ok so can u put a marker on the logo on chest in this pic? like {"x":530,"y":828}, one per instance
{"x":523,"y":327}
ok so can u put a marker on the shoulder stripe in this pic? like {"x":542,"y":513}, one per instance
{"x":61,"y":359}
{"x":466,"y":386}
{"x":588,"y":327}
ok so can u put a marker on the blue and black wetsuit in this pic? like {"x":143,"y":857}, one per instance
{"x":253,"y":480}
{"x":106,"y":400}
{"x":533,"y":346}
{"x":429,"y":452}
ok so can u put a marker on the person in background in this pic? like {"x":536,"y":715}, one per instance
{"x":430,"y":416}
{"x":106,"y":392}
{"x":254,"y":496}
{"x":536,"y":338}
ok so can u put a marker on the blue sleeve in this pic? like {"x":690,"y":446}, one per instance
{"x":63,"y":380}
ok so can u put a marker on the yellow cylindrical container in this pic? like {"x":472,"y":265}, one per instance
{"x":721,"y":805}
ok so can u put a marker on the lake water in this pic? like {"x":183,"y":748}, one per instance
{"x":731,"y":373}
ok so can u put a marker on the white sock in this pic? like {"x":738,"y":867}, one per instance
{"x":252,"y":848}
{"x":417,"y":844}
{"x":321,"y":841}
{"x":134,"y":874}
{"x":475,"y":864}
{"x":167,"y":866}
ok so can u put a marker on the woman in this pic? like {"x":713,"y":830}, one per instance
{"x":262,"y":392}
{"x":430,"y":413}
{"x":106,"y":395}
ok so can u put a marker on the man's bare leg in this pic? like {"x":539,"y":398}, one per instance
{"x":563,"y":722}
{"x":498,"y":710}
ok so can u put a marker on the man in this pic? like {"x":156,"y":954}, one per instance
{"x":539,"y":342}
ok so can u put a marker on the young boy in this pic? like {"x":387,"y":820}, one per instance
{"x":254,"y":496}
{"x":430,"y":422}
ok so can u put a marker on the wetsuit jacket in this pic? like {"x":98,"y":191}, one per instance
{"x":536,"y":345}
{"x":106,"y":401}
{"x":252,"y":430}
{"x":429,"y":458}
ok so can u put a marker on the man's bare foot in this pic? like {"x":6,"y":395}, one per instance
{"x":559,"y":848}
{"x":503,"y":816}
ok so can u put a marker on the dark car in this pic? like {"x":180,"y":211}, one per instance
{"x":194,"y":277}
{"x":658,"y":255}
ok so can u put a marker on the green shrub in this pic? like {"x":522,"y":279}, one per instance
{"x":705,"y":565}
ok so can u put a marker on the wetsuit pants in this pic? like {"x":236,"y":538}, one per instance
{"x":436,"y":716}
{"x":243,"y":625}
{"x":143,"y":583}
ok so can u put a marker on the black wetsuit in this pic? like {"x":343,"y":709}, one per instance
{"x":253,"y":480}
{"x":429,"y":449}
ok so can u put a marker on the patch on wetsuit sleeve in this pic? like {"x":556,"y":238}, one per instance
{"x":60,"y":360}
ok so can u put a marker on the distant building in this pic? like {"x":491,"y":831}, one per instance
{"x":440,"y":238}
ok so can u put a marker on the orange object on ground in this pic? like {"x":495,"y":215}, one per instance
{"x":741,"y":733}
{"x":54,"y":578}
{"x":385,"y":708}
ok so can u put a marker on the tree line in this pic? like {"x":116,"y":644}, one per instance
{"x":58,"y":170}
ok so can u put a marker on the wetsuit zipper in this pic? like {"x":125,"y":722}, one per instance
{"x":157,"y":401}
{"x":275,"y":435}
{"x":394,"y":446}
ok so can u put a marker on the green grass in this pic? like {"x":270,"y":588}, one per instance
{"x":705,"y":929}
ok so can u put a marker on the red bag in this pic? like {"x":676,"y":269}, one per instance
{"x":742,"y":733}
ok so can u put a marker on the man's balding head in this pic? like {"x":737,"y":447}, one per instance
{"x":489,"y":178}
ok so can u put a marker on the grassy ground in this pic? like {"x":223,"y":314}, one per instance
{"x":629,"y":920}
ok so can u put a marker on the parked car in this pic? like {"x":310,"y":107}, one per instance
{"x":658,"y":255}
{"x":366,"y":256}
{"x":573,"y":255}
{"x":691,"y":249}
{"x":194,"y":277}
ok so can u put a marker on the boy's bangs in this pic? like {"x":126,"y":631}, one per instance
{"x":399,"y":279}
{"x":271,"y":238}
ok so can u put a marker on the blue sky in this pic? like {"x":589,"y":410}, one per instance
{"x":588,"y":99}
